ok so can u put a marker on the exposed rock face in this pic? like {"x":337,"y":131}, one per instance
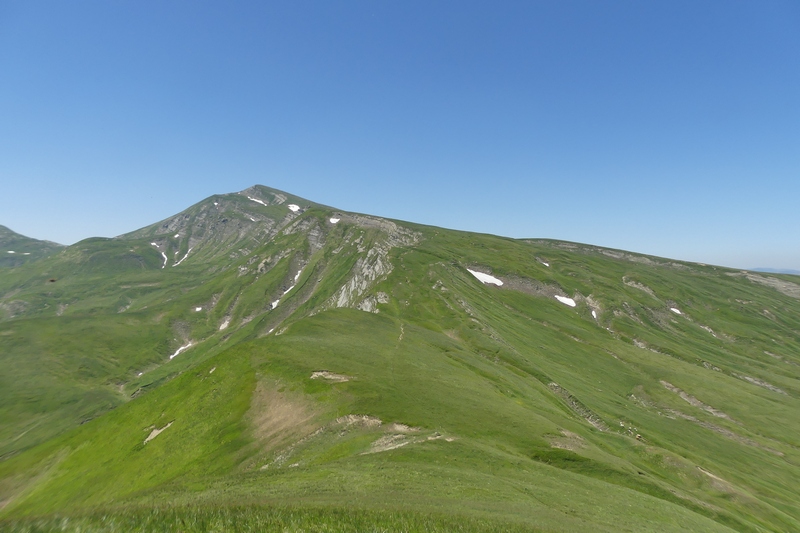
{"x":372,"y":267}
{"x":367,"y":270}
{"x":370,"y":303}
{"x":636,"y":285}
{"x":786,"y":287}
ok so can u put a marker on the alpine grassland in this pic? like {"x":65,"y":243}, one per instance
{"x":260,"y":362}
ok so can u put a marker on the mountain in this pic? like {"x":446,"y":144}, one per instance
{"x":777,"y":271}
{"x":16,"y":249}
{"x":263,"y":362}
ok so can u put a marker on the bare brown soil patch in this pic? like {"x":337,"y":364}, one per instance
{"x":278,"y":418}
{"x":567,"y":441}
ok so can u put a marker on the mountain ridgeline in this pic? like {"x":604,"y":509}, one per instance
{"x":16,"y":249}
{"x":263,"y":362}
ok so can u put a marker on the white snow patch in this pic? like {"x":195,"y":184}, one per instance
{"x":287,"y":291}
{"x":216,"y":203}
{"x":225,"y":324}
{"x":179,"y":350}
{"x":12,"y":252}
{"x":293,"y":208}
{"x":335,"y":220}
{"x":251,"y":218}
{"x":177,"y":235}
{"x":256,"y":200}
{"x":165,"y":259}
{"x":198,"y":309}
{"x":26,"y":253}
{"x":566,"y":301}
{"x":594,"y":314}
{"x":212,"y":370}
{"x":545,"y":263}
{"x":486,"y":278}
{"x":140,"y":374}
{"x":184,"y":257}
{"x":154,"y":244}
{"x":676,"y":311}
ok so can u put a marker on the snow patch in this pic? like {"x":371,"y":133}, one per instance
{"x":294,"y":208}
{"x":165,"y":259}
{"x":212,"y":370}
{"x":545,"y":263}
{"x":256,"y":200}
{"x":12,"y":252}
{"x":154,"y":244}
{"x":179,"y":350}
{"x":225,"y":324}
{"x":335,"y":220}
{"x":198,"y":309}
{"x":486,"y":278}
{"x":287,"y":291}
{"x":184,"y":257}
{"x":26,"y":253}
{"x":216,"y":203}
{"x":177,"y":235}
{"x":594,"y":314}
{"x":676,"y":311}
{"x":567,"y":301}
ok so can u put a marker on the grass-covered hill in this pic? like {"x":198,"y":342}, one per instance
{"x":16,"y":249}
{"x":260,"y":362}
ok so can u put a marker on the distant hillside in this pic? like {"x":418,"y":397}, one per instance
{"x":261,"y":362}
{"x":16,"y":249}
{"x":777,"y":271}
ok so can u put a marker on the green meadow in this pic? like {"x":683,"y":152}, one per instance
{"x":355,"y":376}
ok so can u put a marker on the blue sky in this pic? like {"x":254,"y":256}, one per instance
{"x":670,"y":128}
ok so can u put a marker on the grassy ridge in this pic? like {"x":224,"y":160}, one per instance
{"x":17,"y":250}
{"x":457,"y":399}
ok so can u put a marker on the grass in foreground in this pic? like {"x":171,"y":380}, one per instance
{"x":247,"y":519}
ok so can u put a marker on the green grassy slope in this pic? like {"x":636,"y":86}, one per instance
{"x":452,"y":402}
{"x":16,"y":249}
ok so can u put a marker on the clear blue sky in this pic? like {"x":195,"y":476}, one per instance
{"x":670,"y":128}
